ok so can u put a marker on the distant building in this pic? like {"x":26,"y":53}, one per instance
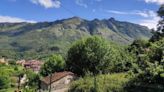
{"x":3,"y":61}
{"x":59,"y":82}
{"x":21,"y":62}
{"x":34,"y":65}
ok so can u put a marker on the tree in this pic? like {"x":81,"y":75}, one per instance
{"x":125,"y":61}
{"x":150,"y":56}
{"x":155,"y":54}
{"x":54,"y":63}
{"x":161,"y":11}
{"x":93,"y":55}
{"x":33,"y":79}
{"x":139,"y":46}
{"x":32,"y":83}
{"x":4,"y":82}
{"x":159,"y":33}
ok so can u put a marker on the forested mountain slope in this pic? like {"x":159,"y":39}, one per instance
{"x":35,"y":40}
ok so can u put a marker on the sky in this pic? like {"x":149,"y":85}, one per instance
{"x":142,"y":12}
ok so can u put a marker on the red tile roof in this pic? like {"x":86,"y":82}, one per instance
{"x":35,"y":65}
{"x":33,"y":62}
{"x":56,"y":77}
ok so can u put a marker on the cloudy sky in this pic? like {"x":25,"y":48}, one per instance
{"x":137,"y":11}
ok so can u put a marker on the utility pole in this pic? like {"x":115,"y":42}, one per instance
{"x":19,"y":82}
{"x":39,"y":86}
{"x":19,"y":79}
{"x":50,"y":82}
{"x":95,"y":84}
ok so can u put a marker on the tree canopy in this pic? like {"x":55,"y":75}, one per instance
{"x":4,"y":82}
{"x":54,"y":63}
{"x":159,"y":33}
{"x":95,"y":55}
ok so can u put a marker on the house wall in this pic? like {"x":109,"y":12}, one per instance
{"x":60,"y":84}
{"x":3,"y":61}
{"x":44,"y":87}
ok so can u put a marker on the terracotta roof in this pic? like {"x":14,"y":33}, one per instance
{"x":56,"y":77}
{"x":33,"y":62}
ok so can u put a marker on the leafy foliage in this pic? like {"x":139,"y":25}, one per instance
{"x":54,"y":63}
{"x":33,"y":79}
{"x":138,"y":68}
{"x":39,"y":40}
{"x":4,"y":82}
{"x":6,"y":76}
{"x":96,"y":56}
{"x":90,"y":55}
{"x":159,"y":33}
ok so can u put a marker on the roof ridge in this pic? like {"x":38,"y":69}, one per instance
{"x":56,"y":76}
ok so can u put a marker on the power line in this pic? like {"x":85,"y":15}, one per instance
{"x":68,"y":10}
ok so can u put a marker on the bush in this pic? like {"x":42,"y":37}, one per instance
{"x":4,"y":82}
{"x":33,"y":79}
{"x":54,"y":63}
{"x":103,"y":83}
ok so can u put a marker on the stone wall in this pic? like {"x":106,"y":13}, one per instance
{"x":58,"y":85}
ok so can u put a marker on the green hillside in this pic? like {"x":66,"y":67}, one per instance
{"x":37,"y":40}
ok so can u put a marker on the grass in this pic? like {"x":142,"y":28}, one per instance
{"x":8,"y":90}
{"x":103,"y":83}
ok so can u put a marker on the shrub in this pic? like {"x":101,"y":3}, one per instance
{"x":103,"y":83}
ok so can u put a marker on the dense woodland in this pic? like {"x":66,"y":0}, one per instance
{"x":102,"y":66}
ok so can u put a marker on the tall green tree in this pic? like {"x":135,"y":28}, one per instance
{"x":159,"y":33}
{"x":161,"y":11}
{"x":94,"y":55}
{"x":33,"y":79}
{"x":54,"y":63}
{"x":150,"y":55}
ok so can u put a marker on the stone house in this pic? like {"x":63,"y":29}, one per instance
{"x":3,"y":61}
{"x":21,"y":62}
{"x":34,"y":65}
{"x":59,"y":82}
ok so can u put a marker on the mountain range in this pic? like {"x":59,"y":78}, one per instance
{"x":37,"y":40}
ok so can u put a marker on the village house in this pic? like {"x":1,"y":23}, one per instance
{"x":21,"y":62}
{"x":3,"y":61}
{"x":58,"y":82}
{"x":34,"y":65}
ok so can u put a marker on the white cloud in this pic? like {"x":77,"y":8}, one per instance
{"x":145,"y":13}
{"x":13,"y":19}
{"x":150,"y":23}
{"x":116,"y":12}
{"x":92,"y":2}
{"x":81,"y":3}
{"x":155,"y":1}
{"x":150,"y":18}
{"x":48,"y":3}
